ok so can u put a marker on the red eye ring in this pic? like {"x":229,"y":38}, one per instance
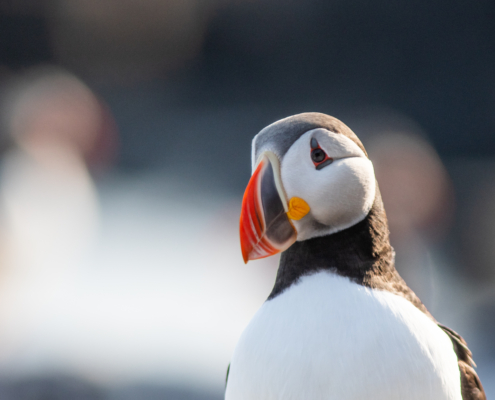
{"x":318,"y":156}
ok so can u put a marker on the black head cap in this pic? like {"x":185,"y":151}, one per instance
{"x":288,"y":130}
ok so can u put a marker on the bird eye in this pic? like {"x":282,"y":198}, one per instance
{"x":317,"y":155}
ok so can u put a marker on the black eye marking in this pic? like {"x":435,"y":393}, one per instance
{"x":328,"y":161}
{"x":318,"y":155}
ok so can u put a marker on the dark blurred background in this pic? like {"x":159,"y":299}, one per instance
{"x":125,"y":137}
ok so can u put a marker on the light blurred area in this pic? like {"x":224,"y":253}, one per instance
{"x":125,"y":133}
{"x":130,"y":279}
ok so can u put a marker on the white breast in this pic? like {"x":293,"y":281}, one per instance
{"x":327,"y":338}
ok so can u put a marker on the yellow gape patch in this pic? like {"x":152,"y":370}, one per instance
{"x":298,"y":208}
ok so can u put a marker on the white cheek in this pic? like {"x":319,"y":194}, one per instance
{"x":339,"y":195}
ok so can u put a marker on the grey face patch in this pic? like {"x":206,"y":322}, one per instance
{"x":281,"y":135}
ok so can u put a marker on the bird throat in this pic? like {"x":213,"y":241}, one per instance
{"x":361,"y":253}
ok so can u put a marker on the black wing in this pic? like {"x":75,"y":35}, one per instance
{"x":471,"y":386}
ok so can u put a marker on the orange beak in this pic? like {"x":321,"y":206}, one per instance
{"x":265,"y":228}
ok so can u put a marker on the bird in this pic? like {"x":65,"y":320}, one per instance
{"x":340,"y":322}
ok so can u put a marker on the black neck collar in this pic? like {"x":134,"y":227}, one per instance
{"x":361,"y":253}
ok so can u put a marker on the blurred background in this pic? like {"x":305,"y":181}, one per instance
{"x":125,"y":130}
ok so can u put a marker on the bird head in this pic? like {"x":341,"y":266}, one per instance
{"x":311,"y":177}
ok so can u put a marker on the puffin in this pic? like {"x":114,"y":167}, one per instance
{"x":340,"y":322}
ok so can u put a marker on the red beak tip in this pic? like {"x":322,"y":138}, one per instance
{"x":245,"y":255}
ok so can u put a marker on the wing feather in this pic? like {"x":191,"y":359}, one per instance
{"x":471,"y":386}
